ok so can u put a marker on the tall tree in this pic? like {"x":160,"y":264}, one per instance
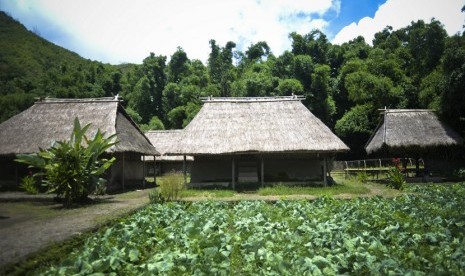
{"x":178,"y":65}
{"x":322,"y":103}
{"x":154,"y":70}
{"x":314,"y":44}
{"x":220,"y":66}
{"x":453,"y":96}
{"x":257,"y":51}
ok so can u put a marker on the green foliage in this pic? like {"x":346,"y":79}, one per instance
{"x":431,"y":90}
{"x":72,"y":169}
{"x":355,"y":122}
{"x":340,"y":188}
{"x":191,"y":110}
{"x":395,"y":178}
{"x":29,"y":185}
{"x":33,"y":67}
{"x":452,"y":96}
{"x":287,"y":87}
{"x":134,"y":115}
{"x":418,"y":233}
{"x":171,"y":186}
{"x":178,"y":65}
{"x":322,"y":104}
{"x":155,"y":196}
{"x":207,"y":193}
{"x":257,"y":51}
{"x":362,"y":177}
{"x":154,"y":124}
{"x":257,"y":81}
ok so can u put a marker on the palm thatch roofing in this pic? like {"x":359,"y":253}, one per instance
{"x":52,"y":120}
{"x":163,"y":140}
{"x":406,"y":128}
{"x":256,"y":125}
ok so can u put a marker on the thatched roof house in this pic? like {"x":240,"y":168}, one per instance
{"x":163,"y":140}
{"x":257,"y":125}
{"x":404,"y":129}
{"x":259,"y":134}
{"x":51,"y":120}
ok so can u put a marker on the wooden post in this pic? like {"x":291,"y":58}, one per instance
{"x":262,"y":172}
{"x":378,"y":171}
{"x":417,"y":166}
{"x":16,"y":174}
{"x":122,"y":175}
{"x":347,"y":169}
{"x":154,"y":171}
{"x":184,"y":169}
{"x":143,"y":171}
{"x":325,"y":180}
{"x":233,"y":182}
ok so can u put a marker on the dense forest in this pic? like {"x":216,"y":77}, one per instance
{"x":418,"y":66}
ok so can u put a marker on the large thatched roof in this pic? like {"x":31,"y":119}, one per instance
{"x":163,"y":140}
{"x":256,"y":125}
{"x":406,"y":128}
{"x":52,"y":120}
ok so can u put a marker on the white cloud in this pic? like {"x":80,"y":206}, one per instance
{"x":127,"y":31}
{"x":400,"y":13}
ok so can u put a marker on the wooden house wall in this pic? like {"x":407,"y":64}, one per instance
{"x":277,"y":168}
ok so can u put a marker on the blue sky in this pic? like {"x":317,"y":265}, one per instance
{"x":117,"y":31}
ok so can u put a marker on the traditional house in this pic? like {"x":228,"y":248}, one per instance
{"x":52,"y":120}
{"x":163,"y":140}
{"x":257,"y":140}
{"x":411,"y":132}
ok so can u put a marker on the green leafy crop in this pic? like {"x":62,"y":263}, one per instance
{"x":418,"y":233}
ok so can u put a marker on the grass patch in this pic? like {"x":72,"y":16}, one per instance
{"x":216,"y":193}
{"x":281,"y":190}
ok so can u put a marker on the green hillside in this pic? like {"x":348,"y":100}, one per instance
{"x":31,"y":66}
{"x":24,"y":54}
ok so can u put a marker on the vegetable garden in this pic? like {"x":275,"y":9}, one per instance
{"x":421,"y":232}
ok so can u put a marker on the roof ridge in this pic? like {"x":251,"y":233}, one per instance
{"x":164,"y":131}
{"x":78,"y":100}
{"x":405,"y":110}
{"x":253,"y":99}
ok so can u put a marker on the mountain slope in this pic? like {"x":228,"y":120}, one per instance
{"x":31,"y":66}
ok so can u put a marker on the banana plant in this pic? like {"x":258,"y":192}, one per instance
{"x":72,"y":169}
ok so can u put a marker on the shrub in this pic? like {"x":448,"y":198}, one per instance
{"x":28,"y":184}
{"x":362,"y":177}
{"x":72,"y":169}
{"x":396,"y":179}
{"x":171,"y":185}
{"x":155,"y":196}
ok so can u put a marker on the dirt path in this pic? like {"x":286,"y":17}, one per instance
{"x":28,"y":226}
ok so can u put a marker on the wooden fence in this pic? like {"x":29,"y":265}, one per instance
{"x":377,"y":168}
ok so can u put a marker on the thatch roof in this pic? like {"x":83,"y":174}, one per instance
{"x":163,"y":140}
{"x":404,"y":128}
{"x":52,"y":120}
{"x":256,"y":125}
